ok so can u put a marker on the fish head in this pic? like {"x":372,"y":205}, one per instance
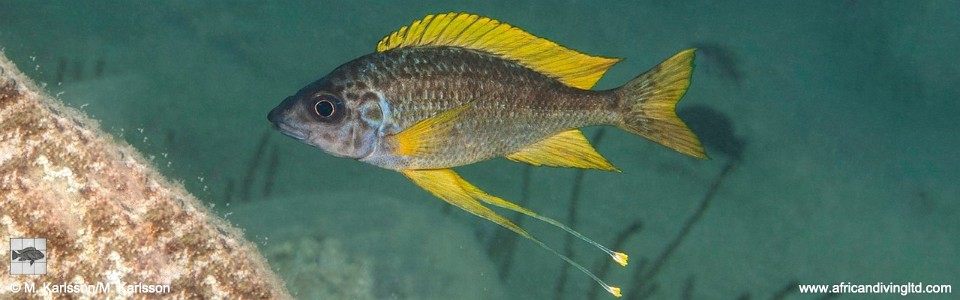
{"x":340,"y":118}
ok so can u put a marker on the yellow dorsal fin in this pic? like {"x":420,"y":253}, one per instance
{"x":488,"y":35}
{"x":427,"y":136}
{"x":566,"y":149}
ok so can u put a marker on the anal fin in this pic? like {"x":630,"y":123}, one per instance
{"x":566,"y":149}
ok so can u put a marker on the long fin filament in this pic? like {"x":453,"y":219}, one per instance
{"x":447,"y":185}
{"x":609,"y":288}
{"x":619,"y":257}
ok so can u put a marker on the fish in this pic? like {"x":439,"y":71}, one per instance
{"x":28,"y":253}
{"x":457,"y":88}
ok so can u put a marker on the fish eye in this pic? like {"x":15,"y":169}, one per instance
{"x":327,"y":107}
{"x":324,"y":108}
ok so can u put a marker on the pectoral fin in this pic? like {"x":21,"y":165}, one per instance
{"x":428,"y":136}
{"x":565,"y":149}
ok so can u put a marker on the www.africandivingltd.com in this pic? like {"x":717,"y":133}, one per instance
{"x":876,"y":288}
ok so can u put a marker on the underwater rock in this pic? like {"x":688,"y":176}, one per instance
{"x":108,"y":216}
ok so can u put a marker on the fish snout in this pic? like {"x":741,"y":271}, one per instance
{"x":278,"y":117}
{"x":272,"y":116}
{"x":276,"y":114}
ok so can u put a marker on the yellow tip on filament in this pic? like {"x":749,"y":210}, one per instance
{"x":614,"y":290}
{"x":466,"y":189}
{"x":620,"y":258}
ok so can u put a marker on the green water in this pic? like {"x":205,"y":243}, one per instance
{"x":843,"y":112}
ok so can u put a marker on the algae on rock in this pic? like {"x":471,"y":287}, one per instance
{"x":107,"y":214}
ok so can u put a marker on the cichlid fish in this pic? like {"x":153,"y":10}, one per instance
{"x":455,"y":89}
{"x":28,"y":253}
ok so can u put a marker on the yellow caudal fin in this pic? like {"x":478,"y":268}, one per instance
{"x":648,"y":105}
{"x":428,"y":136}
{"x":488,"y":35}
{"x":566,"y":149}
{"x":447,"y":185}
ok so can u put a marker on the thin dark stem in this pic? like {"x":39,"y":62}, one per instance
{"x":687,"y":293}
{"x":272,"y":166}
{"x":228,"y":192}
{"x":571,"y":220}
{"x":788,"y":289}
{"x":253,"y":166}
{"x":647,"y":277}
{"x":504,"y":243}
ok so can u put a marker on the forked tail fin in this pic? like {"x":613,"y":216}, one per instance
{"x":648,"y":105}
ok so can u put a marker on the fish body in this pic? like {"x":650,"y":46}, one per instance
{"x":511,"y":106}
{"x":29,"y":253}
{"x":455,"y":89}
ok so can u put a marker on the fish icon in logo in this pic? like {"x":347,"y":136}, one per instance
{"x":29,"y":253}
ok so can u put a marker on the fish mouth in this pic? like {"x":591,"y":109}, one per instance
{"x":276,"y":118}
{"x":287,"y":131}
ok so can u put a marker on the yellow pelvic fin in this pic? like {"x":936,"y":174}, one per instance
{"x":488,"y":35}
{"x":429,"y":135}
{"x":447,"y":185}
{"x":566,"y":149}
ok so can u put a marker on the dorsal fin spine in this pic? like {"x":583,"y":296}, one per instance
{"x":501,"y":39}
{"x":418,"y":29}
{"x":481,"y":24}
{"x":461,"y":23}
